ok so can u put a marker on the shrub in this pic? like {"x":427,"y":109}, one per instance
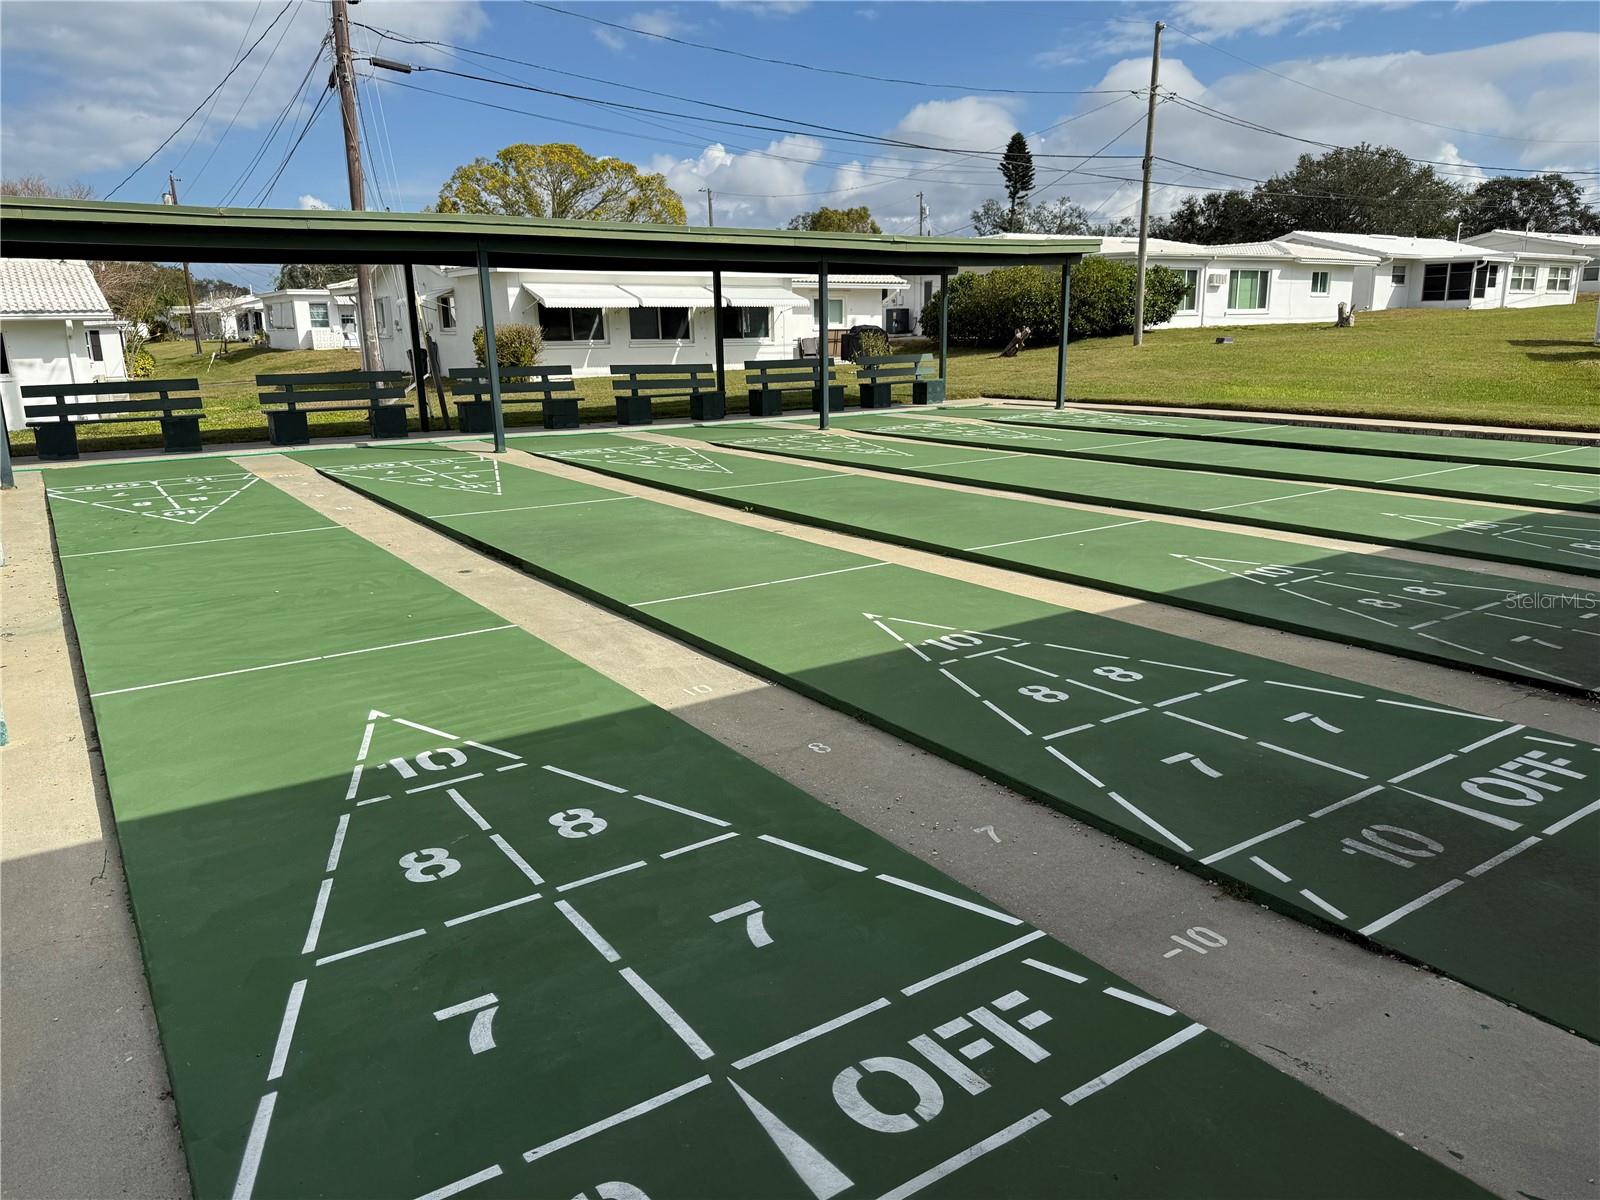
{"x":141,"y":364}
{"x":985,"y":310}
{"x":515,"y":345}
{"x":871,"y":343}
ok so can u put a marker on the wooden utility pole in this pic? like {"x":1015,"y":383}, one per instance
{"x":344,"y":74}
{"x":711,"y":217}
{"x":188,"y":279}
{"x":1144,"y":191}
{"x":922,"y":215}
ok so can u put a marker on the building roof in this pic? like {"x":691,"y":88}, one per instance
{"x":849,"y":281}
{"x":1270,"y":250}
{"x":40,"y":287}
{"x":1389,"y":245}
{"x":1576,"y":242}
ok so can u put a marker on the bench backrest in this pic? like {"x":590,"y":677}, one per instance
{"x":67,"y":400}
{"x":529,"y":383}
{"x":777,"y":373}
{"x":328,"y":387}
{"x":896,"y":368}
{"x":663,"y":378}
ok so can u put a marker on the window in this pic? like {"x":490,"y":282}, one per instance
{"x":572,"y":324}
{"x":1447,"y":281}
{"x":1559,"y":279}
{"x":1247,"y":289}
{"x":1591,"y":274}
{"x":659,"y":324}
{"x":381,"y":310}
{"x":836,"y":307}
{"x":96,"y":351}
{"x":447,"y":310}
{"x":1191,"y":286}
{"x":747,"y":322}
{"x":927,"y":292}
{"x":1485,"y":280}
{"x":1524,"y":277}
{"x":1319,"y":283}
{"x":1397,"y":275}
{"x":319,"y":315}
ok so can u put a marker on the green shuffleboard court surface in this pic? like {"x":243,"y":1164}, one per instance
{"x":1556,"y":456}
{"x":1528,"y":632}
{"x":1562,"y":541}
{"x":430,"y":909}
{"x":1470,"y":481}
{"x":1460,"y":840}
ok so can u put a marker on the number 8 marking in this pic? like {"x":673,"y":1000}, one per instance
{"x":568,"y":822}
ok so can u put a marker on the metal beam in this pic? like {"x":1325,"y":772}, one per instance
{"x":824,"y":374}
{"x":716,"y":326}
{"x":490,"y":354}
{"x":944,"y":328}
{"x":1061,"y":350}
{"x":416,"y":348}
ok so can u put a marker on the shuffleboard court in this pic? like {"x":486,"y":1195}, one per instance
{"x":429,"y":909}
{"x":1338,"y":803}
{"x":1528,"y":632}
{"x":1471,"y":481}
{"x":1500,"y":451}
{"x":1562,"y":541}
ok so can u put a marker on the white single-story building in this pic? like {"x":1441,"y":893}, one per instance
{"x":310,"y":318}
{"x":595,"y":320}
{"x":1532,"y":242}
{"x":55,"y":327}
{"x":237,"y":318}
{"x":1438,"y":273}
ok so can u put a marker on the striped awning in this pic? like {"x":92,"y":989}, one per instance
{"x":758,"y":296}
{"x":579,"y":295}
{"x":668,"y":295}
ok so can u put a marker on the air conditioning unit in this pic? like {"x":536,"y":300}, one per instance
{"x":1215,"y":279}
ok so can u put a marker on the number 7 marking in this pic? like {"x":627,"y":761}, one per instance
{"x":1315,"y":720}
{"x":1199,"y":764}
{"x":754,"y":921}
{"x":481,"y":1036}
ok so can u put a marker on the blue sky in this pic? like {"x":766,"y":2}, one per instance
{"x":1478,"y":85}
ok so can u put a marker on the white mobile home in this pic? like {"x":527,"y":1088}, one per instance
{"x":309,"y":319}
{"x":237,"y":318}
{"x":55,"y":327}
{"x":1532,"y":242}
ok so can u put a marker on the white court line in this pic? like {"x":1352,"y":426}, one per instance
{"x":510,"y":766}
{"x":978,"y":960}
{"x":1484,"y":741}
{"x":627,"y":1114}
{"x":1571,"y":817}
{"x":1389,"y":919}
{"x":806,"y":850}
{"x":355,"y":774}
{"x":317,"y":914}
{"x":1050,"y":737}
{"x":366,"y":736}
{"x":291,"y":1014}
{"x":1488,"y":818}
{"x":745,"y":587}
{"x":200,"y":541}
{"x":1132,"y":712}
{"x":1338,"y":804}
{"x":1504,"y":855}
{"x":1123,"y":1070}
{"x":964,"y":687}
{"x":1269,"y":869}
{"x":961,"y":462}
{"x":461,"y":1185}
{"x":425,"y":729}
{"x":590,"y":933}
{"x":1049,"y":536}
{"x":444,"y":783}
{"x":1269,"y":500}
{"x":295,"y":662}
{"x":1141,"y":1001}
{"x":1178,"y":716}
{"x":1073,"y":765}
{"x":493,"y":908}
{"x":257,"y":1142}
{"x":1059,"y":972}
{"x":1324,"y":905}
{"x":1151,"y":821}
{"x":1316,"y":762}
{"x":610,"y":787}
{"x":1427,"y":766}
{"x":474,"y":814}
{"x":483,"y":512}
{"x":733,"y":487}
{"x":971,"y":1154}
{"x":1025,"y":666}
{"x":1425,"y":474}
{"x":493,"y":750}
{"x":807,"y":1035}
{"x":403,"y":937}
{"x":371,"y":800}
{"x":949,"y":899}
{"x":995,"y":708}
{"x":338,"y":843}
{"x":721,"y":837}
{"x":668,"y":1014}
{"x":1449,"y":712}
{"x":678,"y":808}
{"x":578,"y":883}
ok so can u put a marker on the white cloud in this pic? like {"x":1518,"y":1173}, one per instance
{"x":662,"y":22}
{"x":310,"y":201}
{"x":754,"y":189}
{"x":767,"y":8}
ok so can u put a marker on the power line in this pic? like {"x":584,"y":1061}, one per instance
{"x":245,"y":99}
{"x":201,"y":128}
{"x":296,"y":101}
{"x":1375,"y":108}
{"x":316,"y":112}
{"x":202,"y":104}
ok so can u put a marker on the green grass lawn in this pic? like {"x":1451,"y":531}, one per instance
{"x":1530,"y":367}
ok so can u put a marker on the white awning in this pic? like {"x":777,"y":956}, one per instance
{"x":580,"y":295}
{"x":668,"y":295}
{"x":757,"y":296}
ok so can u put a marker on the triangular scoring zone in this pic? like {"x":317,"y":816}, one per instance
{"x":671,"y":458}
{"x":186,"y":501}
{"x":458,"y":473}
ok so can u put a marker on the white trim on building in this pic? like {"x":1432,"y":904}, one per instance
{"x":1533,"y":242}
{"x":55,"y":327}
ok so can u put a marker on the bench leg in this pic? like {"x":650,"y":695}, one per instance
{"x":180,"y":435}
{"x":288,"y":429}
{"x":927,"y":391}
{"x":57,"y":441}
{"x":560,"y":414}
{"x":708,"y":406}
{"x":766,"y":402}
{"x":389,"y":421}
{"x":475,"y":416}
{"x":634,"y":410}
{"x":835,"y":398}
{"x":877,"y":395}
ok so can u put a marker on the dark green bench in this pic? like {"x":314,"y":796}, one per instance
{"x":381,"y":393}
{"x":635,"y":387}
{"x":878,"y":377}
{"x":518,"y":385}
{"x":55,"y":424}
{"x":769,"y":380}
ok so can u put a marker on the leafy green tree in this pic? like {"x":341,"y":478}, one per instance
{"x":1016,"y":168}
{"x":1545,"y":203}
{"x":1362,"y":189}
{"x":985,"y":310}
{"x":560,"y":180}
{"x":1214,"y":219}
{"x":837,"y":220}
{"x":1055,"y":217}
{"x":312,"y":275}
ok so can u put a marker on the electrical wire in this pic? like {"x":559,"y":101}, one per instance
{"x":206,"y":120}
{"x":295,"y":102}
{"x":245,"y":99}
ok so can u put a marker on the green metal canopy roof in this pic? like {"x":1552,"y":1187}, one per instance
{"x":55,"y":228}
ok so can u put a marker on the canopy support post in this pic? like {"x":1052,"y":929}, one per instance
{"x":416,"y":349}
{"x":716,"y":329}
{"x":491,"y":356}
{"x":1061,"y":350}
{"x":944,"y":329}
{"x":824,"y":374}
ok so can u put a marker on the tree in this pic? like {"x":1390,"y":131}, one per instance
{"x":837,"y":220}
{"x":1055,"y":217}
{"x":985,"y":310}
{"x":37,"y":185}
{"x":1360,"y":189}
{"x":312,"y":275}
{"x":560,"y":180}
{"x":1214,"y":219}
{"x":1016,"y":168}
{"x":1545,"y":203}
